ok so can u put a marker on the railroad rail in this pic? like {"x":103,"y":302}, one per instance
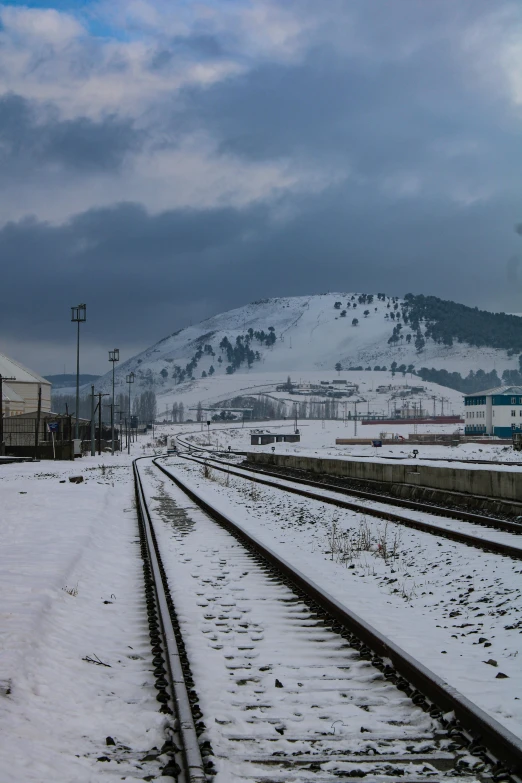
{"x":487,"y":545}
{"x":437,"y":733}
{"x":345,"y":486}
{"x":170,"y":661}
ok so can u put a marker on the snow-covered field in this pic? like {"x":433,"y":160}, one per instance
{"x":70,"y":581}
{"x":318,"y":440}
{"x":71,"y":588}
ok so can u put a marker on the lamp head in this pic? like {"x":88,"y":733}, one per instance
{"x":79,"y":313}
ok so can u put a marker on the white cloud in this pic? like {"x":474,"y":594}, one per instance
{"x":493,"y":46}
{"x":191,"y":175}
{"x":40,"y":26}
{"x":47,"y":56}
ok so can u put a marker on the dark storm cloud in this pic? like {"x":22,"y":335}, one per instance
{"x":130,"y":267}
{"x":375,"y":119}
{"x":145,"y":275}
{"x":31,"y":136}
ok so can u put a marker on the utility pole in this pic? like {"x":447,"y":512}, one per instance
{"x":78,"y":315}
{"x":100,"y":395}
{"x":37,"y":428}
{"x":114,"y":356}
{"x":129,"y":379}
{"x":93,"y":425}
{"x":2,"y":445}
{"x":355,"y":421}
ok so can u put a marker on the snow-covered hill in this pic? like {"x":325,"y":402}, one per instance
{"x":311,"y":333}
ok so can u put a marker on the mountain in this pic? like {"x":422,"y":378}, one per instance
{"x":67,"y":380}
{"x":315,"y":333}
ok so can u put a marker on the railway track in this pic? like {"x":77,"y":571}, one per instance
{"x":284,"y":683}
{"x":353,"y":487}
{"x":286,"y":484}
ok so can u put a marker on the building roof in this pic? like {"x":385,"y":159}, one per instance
{"x":9,"y":368}
{"x":10,"y":395}
{"x":498,"y":391}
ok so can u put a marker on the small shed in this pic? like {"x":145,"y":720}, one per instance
{"x":263,"y":438}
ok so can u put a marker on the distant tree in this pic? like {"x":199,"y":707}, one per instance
{"x":164,"y":373}
{"x":199,"y":412}
{"x":337,"y":305}
{"x":338,"y":367}
{"x":343,"y":313}
{"x":203,"y":374}
{"x":366,"y":313}
{"x":408,"y":338}
{"x":181,"y":412}
{"x":211,"y":370}
{"x":355,"y":322}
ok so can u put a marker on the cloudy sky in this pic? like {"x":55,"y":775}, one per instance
{"x":163,"y":160}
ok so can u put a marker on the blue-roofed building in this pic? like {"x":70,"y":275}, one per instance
{"x":494,"y":412}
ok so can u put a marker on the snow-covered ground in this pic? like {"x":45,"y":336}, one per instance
{"x":71,"y":587}
{"x":70,"y":580}
{"x":318,"y":440}
{"x":452,"y":607}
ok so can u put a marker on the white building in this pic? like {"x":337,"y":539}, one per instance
{"x":21,"y":394}
{"x":494,"y":412}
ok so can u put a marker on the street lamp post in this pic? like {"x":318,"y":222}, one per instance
{"x":78,"y":315}
{"x":129,"y":379}
{"x":114,"y":356}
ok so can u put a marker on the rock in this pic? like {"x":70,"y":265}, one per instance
{"x":502,"y":676}
{"x":76,"y":479}
{"x":109,"y":741}
{"x":172,"y":768}
{"x":278,"y":684}
{"x":169,"y":747}
{"x":491,"y":662}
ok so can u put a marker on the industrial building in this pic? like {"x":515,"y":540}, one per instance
{"x":494,"y":412}
{"x":20,"y":388}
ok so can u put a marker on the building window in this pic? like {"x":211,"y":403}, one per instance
{"x":513,"y":401}
{"x":513,"y":413}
